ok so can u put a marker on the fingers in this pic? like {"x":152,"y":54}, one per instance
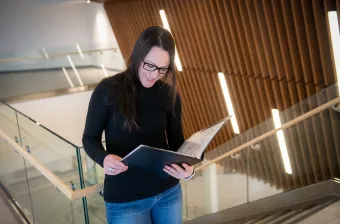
{"x":177,"y":171}
{"x":178,"y":168}
{"x":171,"y":173}
{"x":186,"y":166}
{"x":113,"y":165}
{"x":171,"y":169}
{"x":114,"y":171}
{"x":115,"y":161}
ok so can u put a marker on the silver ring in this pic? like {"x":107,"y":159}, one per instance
{"x":111,"y":169}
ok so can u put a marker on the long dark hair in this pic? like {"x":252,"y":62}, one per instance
{"x":126,"y":95}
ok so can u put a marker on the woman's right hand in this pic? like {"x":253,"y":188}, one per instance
{"x":113,"y":165}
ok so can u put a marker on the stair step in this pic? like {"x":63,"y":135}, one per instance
{"x":309,"y":211}
{"x":276,"y":215}
{"x":285,"y":216}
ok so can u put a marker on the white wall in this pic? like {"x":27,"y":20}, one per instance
{"x":27,"y":26}
{"x":64,"y":115}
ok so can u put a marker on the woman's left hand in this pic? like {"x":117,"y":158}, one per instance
{"x":178,"y":172}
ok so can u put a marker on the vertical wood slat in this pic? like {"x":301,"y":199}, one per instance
{"x":225,"y":64}
{"x":231,"y":62}
{"x":183,"y":23}
{"x":273,"y":37}
{"x":229,"y":36}
{"x":259,"y":11}
{"x":324,"y":46}
{"x":249,"y":70}
{"x":235,"y":37}
{"x":211,"y":28}
{"x":302,"y":44}
{"x":257,"y":38}
{"x":210,"y":100}
{"x":204,"y":42}
{"x":249,"y":39}
{"x":245,"y":112}
{"x":291,"y":34}
{"x":313,"y":47}
{"x":186,"y":59}
{"x":283,"y":40}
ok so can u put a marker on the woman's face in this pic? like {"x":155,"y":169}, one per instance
{"x":148,"y":72}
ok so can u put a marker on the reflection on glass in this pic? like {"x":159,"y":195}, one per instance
{"x":80,"y":51}
{"x":45,"y":53}
{"x":68,"y":77}
{"x":104,"y":69}
{"x":75,"y":70}
{"x":282,"y":141}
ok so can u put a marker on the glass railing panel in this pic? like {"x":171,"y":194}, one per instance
{"x":78,"y":211}
{"x":195,"y":196}
{"x":217,"y":187}
{"x":51,"y":151}
{"x":96,"y":209}
{"x":310,"y":101}
{"x":94,"y":204}
{"x":185,"y":202}
{"x":13,"y":176}
{"x":312,"y":156}
{"x":264,"y":166}
{"x":49,"y":205}
{"x":313,"y":147}
{"x":56,"y":155}
{"x":8,"y":122}
{"x":93,"y":172}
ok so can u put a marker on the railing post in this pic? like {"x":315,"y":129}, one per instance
{"x":82,"y":185}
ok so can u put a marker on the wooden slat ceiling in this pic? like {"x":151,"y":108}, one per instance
{"x":259,"y":45}
{"x":274,"y":54}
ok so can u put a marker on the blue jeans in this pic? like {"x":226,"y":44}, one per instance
{"x":165,"y":208}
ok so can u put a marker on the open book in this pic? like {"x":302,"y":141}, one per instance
{"x":190,"y":152}
{"x":198,"y":142}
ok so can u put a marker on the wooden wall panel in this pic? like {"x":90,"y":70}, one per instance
{"x":274,"y":54}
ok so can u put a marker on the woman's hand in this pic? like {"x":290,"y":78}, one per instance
{"x":178,"y":172}
{"x":113,"y":165}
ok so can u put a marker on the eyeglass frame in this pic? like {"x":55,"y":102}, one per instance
{"x":156,"y":68}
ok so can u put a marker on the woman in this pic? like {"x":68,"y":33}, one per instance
{"x":139,"y":106}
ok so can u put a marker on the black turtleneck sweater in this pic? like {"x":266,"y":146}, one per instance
{"x":159,"y":124}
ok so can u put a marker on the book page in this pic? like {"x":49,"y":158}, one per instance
{"x":196,"y":144}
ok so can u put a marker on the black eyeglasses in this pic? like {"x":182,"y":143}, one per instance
{"x":151,"y":67}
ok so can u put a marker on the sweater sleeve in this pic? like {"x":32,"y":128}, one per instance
{"x":174,"y":128}
{"x":97,"y":116}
